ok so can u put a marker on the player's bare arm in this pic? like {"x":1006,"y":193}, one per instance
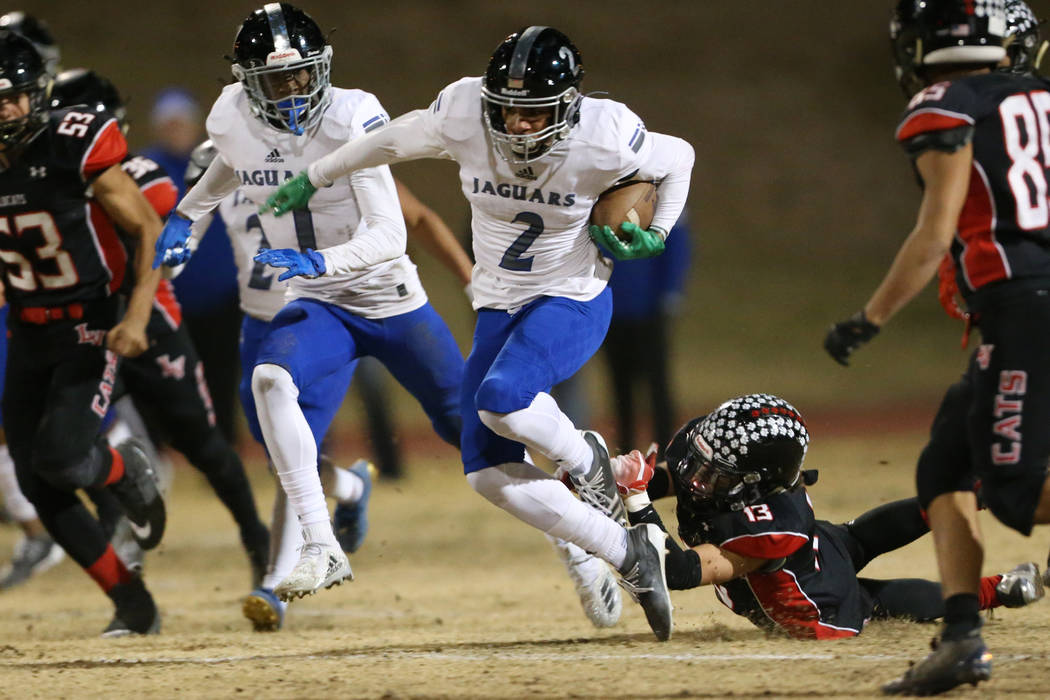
{"x":430,"y":230}
{"x":947,"y":178}
{"x":122,"y":200}
{"x":720,"y":565}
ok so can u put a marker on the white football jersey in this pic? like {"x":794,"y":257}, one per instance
{"x":263,"y":158}
{"x":529,"y":222}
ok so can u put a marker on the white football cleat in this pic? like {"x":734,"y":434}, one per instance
{"x":320,"y":566}
{"x":594,"y":581}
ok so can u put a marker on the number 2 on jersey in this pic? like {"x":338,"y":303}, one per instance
{"x":512,"y":259}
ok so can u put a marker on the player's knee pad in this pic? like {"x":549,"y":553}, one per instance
{"x":522,"y":490}
{"x":67,"y":469}
{"x":934,"y":477}
{"x":267,"y":379}
{"x":499,"y":394}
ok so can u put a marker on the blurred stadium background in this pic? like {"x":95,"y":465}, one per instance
{"x":799,"y":200}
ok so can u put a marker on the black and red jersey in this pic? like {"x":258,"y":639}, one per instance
{"x":1004,"y":228}
{"x":809,"y":587}
{"x":160,"y":191}
{"x":56,"y":244}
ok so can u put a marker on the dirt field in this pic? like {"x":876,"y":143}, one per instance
{"x":455,"y":599}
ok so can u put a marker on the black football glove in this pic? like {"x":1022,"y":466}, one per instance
{"x":846,"y":336}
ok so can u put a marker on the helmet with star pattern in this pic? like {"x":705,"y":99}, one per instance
{"x":746,"y":450}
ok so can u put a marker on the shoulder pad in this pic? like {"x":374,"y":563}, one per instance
{"x":458,"y":109}
{"x":352,"y":113}
{"x":88,"y":142}
{"x":940,"y":116}
{"x":222,"y":118}
{"x":615,"y":135}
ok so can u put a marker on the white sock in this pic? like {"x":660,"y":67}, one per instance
{"x":344,"y":486}
{"x":285,"y":540}
{"x":290,"y":443}
{"x":21,"y":510}
{"x":320,"y":533}
{"x":533,"y":496}
{"x":543,"y":427}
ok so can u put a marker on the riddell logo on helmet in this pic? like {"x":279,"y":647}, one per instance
{"x":513,"y":92}
{"x":285,"y":56}
{"x":703,"y":447}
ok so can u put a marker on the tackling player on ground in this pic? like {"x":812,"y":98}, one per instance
{"x":748,"y":522}
{"x":978,"y":138}
{"x":534,"y":155}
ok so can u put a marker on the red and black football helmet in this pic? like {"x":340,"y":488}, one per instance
{"x":22,"y":71}
{"x":926,"y":33}
{"x":746,"y":450}
{"x":535,"y":67}
{"x":283,"y":61}
{"x":82,"y":86}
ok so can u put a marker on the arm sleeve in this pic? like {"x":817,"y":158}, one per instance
{"x":670,"y":164}
{"x":409,"y":137}
{"x":380,"y":235}
{"x":217,"y":182}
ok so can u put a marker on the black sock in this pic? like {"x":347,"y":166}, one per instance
{"x":962,"y":616}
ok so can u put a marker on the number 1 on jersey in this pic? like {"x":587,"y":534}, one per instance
{"x":512,"y":259}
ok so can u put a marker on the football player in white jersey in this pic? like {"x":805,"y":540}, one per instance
{"x":282,"y":114}
{"x":534,"y":155}
{"x":262,"y":296}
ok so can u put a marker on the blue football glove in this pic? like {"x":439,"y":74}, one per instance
{"x":172,"y":249}
{"x":308,"y":264}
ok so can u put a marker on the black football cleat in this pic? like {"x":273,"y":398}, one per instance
{"x":139,"y":495}
{"x":951,"y":663}
{"x":643,"y":576}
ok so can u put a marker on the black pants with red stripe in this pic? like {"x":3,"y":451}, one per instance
{"x":168,"y":388}
{"x":58,"y":386}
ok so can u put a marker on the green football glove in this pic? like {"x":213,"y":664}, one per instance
{"x":643,"y":243}
{"x":294,"y":194}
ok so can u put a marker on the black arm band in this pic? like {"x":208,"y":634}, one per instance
{"x":682,"y":565}
{"x":659,"y":485}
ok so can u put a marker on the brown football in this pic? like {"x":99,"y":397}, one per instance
{"x":633,"y":201}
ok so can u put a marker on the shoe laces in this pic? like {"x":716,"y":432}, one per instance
{"x":630,"y":581}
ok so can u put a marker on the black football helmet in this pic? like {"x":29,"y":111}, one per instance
{"x":535,"y":67}
{"x":22,"y":72}
{"x":37,"y":32}
{"x":283,"y":61}
{"x":746,"y":450}
{"x":81,"y":86}
{"x":1023,"y":48}
{"x":927,"y":33}
{"x":200,"y":158}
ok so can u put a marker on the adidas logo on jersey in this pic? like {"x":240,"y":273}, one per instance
{"x":526,"y":173}
{"x":274,"y":157}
